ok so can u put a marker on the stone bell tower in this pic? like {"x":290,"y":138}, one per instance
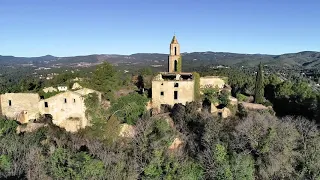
{"x":174,"y":56}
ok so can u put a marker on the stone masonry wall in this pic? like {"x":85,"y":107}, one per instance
{"x":67,"y":110}
{"x":211,"y":81}
{"x":20,"y":102}
{"x":185,"y":91}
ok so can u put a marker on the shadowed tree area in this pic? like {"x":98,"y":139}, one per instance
{"x":257,"y":146}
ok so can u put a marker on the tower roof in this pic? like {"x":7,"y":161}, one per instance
{"x":174,"y":40}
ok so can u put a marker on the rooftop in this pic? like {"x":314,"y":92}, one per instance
{"x":174,"y":40}
{"x":167,"y":76}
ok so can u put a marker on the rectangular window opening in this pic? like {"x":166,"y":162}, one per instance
{"x":175,"y":95}
{"x":65,"y":100}
{"x":162,"y":93}
{"x":176,"y":84}
{"x":10,"y":103}
{"x":74,"y":100}
{"x":46,"y":104}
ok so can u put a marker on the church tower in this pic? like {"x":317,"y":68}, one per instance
{"x":174,"y":56}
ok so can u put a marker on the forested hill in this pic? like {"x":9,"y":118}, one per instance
{"x":305,"y":59}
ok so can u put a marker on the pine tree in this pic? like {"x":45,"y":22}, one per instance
{"x":258,"y":95}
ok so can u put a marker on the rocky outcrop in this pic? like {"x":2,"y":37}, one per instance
{"x":76,"y":86}
{"x":30,"y":127}
{"x":253,"y":106}
{"x":225,"y":113}
{"x":70,"y":124}
{"x":127,"y":130}
{"x":176,"y":144}
{"x":233,"y":101}
{"x":213,"y":109}
{"x":149,"y":105}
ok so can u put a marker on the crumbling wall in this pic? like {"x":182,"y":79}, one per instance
{"x":13,"y":105}
{"x":212,"y":81}
{"x":85,"y":91}
{"x":68,"y":106}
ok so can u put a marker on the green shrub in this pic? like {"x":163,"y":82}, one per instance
{"x":191,"y":171}
{"x":5,"y":163}
{"x":224,"y":98}
{"x":267,"y":103}
{"x":129,"y":108}
{"x":66,"y":165}
{"x":242,"y":166}
{"x":221,"y":158}
{"x":103,"y":128}
{"x":7,"y":126}
{"x":211,"y":94}
{"x":241,"y":97}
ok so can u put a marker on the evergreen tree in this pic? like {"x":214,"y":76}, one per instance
{"x":105,"y":79}
{"x":258,"y":95}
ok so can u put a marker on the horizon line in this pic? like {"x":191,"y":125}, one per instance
{"x":162,"y":53}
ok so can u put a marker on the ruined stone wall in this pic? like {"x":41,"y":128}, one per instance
{"x":67,"y":110}
{"x":86,"y":91}
{"x":211,"y":81}
{"x":14,"y":104}
{"x":185,"y":92}
{"x":76,"y":86}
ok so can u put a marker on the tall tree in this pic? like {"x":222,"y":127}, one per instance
{"x":105,"y":79}
{"x":259,"y":91}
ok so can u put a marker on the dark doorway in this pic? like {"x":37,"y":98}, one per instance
{"x":175,"y":65}
{"x":206,"y":105}
{"x":175,"y":96}
{"x":46,"y":118}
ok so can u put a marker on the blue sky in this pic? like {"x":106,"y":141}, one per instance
{"x":79,"y":27}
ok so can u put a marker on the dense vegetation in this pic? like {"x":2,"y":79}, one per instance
{"x":258,"y":146}
{"x":250,"y":145}
{"x":294,"y":96}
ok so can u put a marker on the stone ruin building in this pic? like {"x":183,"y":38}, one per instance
{"x":67,"y":109}
{"x":176,"y":86}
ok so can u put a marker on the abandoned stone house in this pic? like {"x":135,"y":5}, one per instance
{"x":176,"y":86}
{"x":67,"y":109}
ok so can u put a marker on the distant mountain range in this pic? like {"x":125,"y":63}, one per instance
{"x":305,"y":59}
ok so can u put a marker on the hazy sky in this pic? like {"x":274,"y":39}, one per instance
{"x":80,"y":27}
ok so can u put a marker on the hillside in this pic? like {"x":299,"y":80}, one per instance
{"x":306,"y":59}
